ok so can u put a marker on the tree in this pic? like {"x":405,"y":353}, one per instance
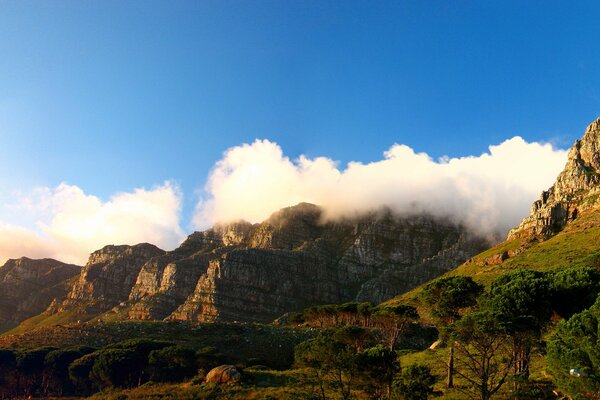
{"x":377,"y":366}
{"x":80,"y":373}
{"x":414,"y":383}
{"x":484,"y":354}
{"x":520,"y":302}
{"x":393,"y":321}
{"x":447,"y":297}
{"x":356,"y":336}
{"x":30,"y":366}
{"x":8,"y":371}
{"x":56,"y":370}
{"x":573,"y":355}
{"x":172,"y":364}
{"x":574,"y":289}
{"x":331,"y":361}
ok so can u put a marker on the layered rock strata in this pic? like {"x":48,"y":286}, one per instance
{"x":576,"y":189}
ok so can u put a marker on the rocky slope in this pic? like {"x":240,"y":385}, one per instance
{"x":247,"y":272}
{"x":576,"y":190}
{"x":28,"y":287}
{"x":107,"y":278}
{"x":292,"y":260}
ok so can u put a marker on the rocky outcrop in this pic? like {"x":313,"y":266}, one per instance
{"x":28,"y":287}
{"x":223,"y":374}
{"x":107,"y":278}
{"x":294,"y":260}
{"x":576,"y":189}
{"x":245,"y":272}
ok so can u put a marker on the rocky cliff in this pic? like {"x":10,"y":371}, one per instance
{"x":107,"y":278}
{"x":247,"y":272}
{"x":294,"y":259}
{"x":28,"y":287}
{"x":576,"y":190}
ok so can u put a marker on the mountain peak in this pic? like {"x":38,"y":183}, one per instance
{"x":575,"y":189}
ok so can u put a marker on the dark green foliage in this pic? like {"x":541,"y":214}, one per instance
{"x":172,"y":364}
{"x":209,"y":357}
{"x":331,"y":360}
{"x":56,"y":369}
{"x":117,"y":368}
{"x":576,"y":345}
{"x":521,"y":304}
{"x":30,"y":367}
{"x":356,"y":336}
{"x":448,"y":296}
{"x":414,"y":383}
{"x":80,"y":371}
{"x":8,"y":368}
{"x":520,"y":300}
{"x":484,"y":355}
{"x":392,"y":321}
{"x":574,"y":289}
{"x":377,"y":366}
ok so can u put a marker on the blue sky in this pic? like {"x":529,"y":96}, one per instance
{"x":112,"y":95}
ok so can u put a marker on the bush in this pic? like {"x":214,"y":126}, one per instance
{"x":172,"y":364}
{"x":414,"y":383}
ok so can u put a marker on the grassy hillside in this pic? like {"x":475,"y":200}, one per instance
{"x":578,"y":244}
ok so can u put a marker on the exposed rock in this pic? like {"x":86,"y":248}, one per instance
{"x":373,"y":258}
{"x":28,"y":287}
{"x":224,"y":374}
{"x":576,"y":190}
{"x":107,"y":278}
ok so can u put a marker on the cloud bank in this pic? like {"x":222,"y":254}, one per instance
{"x":490,"y":193}
{"x":68,"y":224}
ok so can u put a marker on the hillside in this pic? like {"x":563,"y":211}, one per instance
{"x":562,"y":230}
{"x":245,"y":272}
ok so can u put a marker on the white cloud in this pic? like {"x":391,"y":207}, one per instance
{"x":490,"y":192}
{"x":69,"y":224}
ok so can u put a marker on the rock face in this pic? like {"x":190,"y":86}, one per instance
{"x":293,"y":260}
{"x":246,"y":272}
{"x":28,"y":287}
{"x":108,"y":276}
{"x":576,"y":189}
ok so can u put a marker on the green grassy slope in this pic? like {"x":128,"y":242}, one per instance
{"x":578,"y":244}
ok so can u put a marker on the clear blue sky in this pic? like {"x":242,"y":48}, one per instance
{"x":111,"y":95}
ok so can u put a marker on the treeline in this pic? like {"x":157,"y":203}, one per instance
{"x":50,"y":371}
{"x":491,"y":335}
{"x":493,"y":343}
{"x":389,"y":322}
{"x":350,"y":359}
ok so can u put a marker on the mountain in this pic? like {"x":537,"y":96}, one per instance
{"x":257,"y":272}
{"x":28,"y":287}
{"x":562,"y":230}
{"x":576,"y":190}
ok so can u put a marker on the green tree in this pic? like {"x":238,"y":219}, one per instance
{"x":116,"y":368}
{"x":447,"y":298}
{"x":356,"y":336}
{"x":80,"y":373}
{"x":484,"y":354}
{"x":573,"y":354}
{"x":30,"y":366}
{"x":377,"y":366}
{"x":8,"y":371}
{"x":331,"y":361}
{"x":520,"y":302}
{"x":172,"y":364}
{"x":56,"y":370}
{"x":414,"y":383}
{"x":392,"y":321}
{"x":574,"y":289}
